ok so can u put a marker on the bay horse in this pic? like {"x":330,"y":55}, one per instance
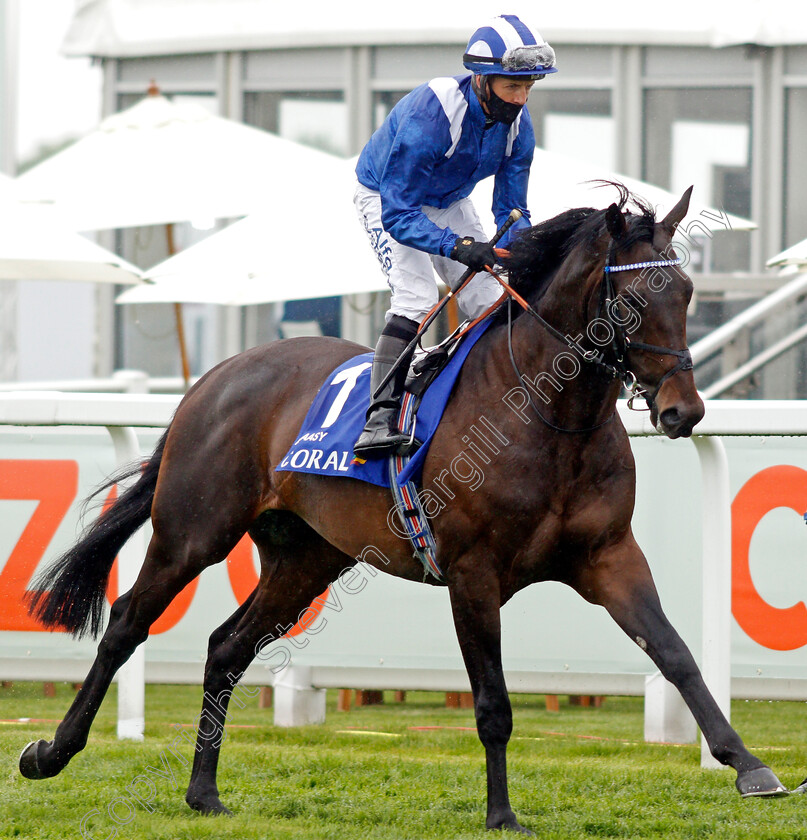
{"x":606,"y":301}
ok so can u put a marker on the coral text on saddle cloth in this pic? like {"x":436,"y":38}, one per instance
{"x":324,"y":445}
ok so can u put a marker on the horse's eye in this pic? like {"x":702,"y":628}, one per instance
{"x":631,"y":298}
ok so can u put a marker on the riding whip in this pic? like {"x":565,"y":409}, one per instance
{"x":514,"y":216}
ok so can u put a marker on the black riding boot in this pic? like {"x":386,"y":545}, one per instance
{"x":381,"y":435}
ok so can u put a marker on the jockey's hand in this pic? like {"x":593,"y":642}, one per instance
{"x":475,"y":255}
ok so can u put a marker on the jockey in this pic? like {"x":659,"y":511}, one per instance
{"x":414,"y":178}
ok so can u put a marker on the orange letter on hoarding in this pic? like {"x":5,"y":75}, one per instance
{"x":772,"y":627}
{"x":54,"y":485}
{"x":174,"y":612}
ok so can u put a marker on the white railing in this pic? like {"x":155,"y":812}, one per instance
{"x":718,"y":339}
{"x":756,"y":363}
{"x":121,"y":414}
{"x":121,"y":382}
{"x":722,"y":338}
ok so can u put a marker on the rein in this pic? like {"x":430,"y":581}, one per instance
{"x":525,"y":305}
{"x":620,"y":343}
{"x":526,"y":386}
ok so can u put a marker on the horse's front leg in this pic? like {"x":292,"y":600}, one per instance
{"x":475,"y":604}
{"x":620,"y":580}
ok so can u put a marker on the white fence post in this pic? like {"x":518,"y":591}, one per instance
{"x":667,"y":719}
{"x":716,"y":589}
{"x":133,"y":381}
{"x":132,"y":675}
{"x":300,"y":702}
{"x":296,"y":701}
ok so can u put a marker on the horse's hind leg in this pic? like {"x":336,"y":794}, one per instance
{"x":296,"y":566}
{"x":621,"y":582}
{"x":169,"y":566}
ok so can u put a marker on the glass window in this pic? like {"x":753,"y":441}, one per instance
{"x":320,"y":68}
{"x":573,"y":122}
{"x":317,"y":119}
{"x":795,"y":180}
{"x":179,"y":71}
{"x":698,"y":63}
{"x":576,"y":123}
{"x":703,"y":137}
{"x":383,"y":103}
{"x":579,"y":61}
{"x":796,"y":60}
{"x":417,"y":63}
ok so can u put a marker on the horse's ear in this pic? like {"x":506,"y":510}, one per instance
{"x":671,"y":221}
{"x":615,"y":222}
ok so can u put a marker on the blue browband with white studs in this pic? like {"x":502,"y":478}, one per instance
{"x":612,"y":268}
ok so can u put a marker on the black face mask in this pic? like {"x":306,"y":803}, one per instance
{"x":499,"y":110}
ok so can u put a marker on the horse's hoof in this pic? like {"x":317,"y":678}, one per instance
{"x":29,"y":763}
{"x":509,"y":823}
{"x":209,"y":807}
{"x":515,"y":827}
{"x":760,"y":782}
{"x":802,"y":788}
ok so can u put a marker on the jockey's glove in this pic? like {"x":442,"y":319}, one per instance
{"x":475,"y":255}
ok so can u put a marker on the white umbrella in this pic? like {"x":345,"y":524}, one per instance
{"x":33,"y":246}
{"x":245,"y":264}
{"x":558,"y":182}
{"x":258,"y":259}
{"x":160,"y":162}
{"x":309,"y":244}
{"x":795,"y":255}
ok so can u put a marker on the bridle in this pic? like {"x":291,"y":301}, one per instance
{"x":620,"y":344}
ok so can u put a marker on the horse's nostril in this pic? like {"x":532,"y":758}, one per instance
{"x":670,"y":417}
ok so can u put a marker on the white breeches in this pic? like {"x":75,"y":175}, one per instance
{"x":410,"y":273}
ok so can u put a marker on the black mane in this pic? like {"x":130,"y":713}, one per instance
{"x":537,"y":252}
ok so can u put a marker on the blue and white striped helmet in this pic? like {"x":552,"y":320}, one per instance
{"x":506,"y":47}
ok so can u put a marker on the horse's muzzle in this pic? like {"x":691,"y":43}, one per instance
{"x":679,"y":419}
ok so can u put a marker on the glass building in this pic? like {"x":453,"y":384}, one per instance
{"x":682,"y":96}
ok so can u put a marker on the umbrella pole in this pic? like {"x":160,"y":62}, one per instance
{"x":183,"y":347}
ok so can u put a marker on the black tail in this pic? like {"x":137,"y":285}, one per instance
{"x":70,"y":594}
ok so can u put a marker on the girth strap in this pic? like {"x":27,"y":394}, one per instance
{"x":407,"y":501}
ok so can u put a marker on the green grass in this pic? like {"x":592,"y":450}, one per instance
{"x":579,"y":773}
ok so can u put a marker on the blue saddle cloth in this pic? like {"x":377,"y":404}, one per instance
{"x":324,"y":444}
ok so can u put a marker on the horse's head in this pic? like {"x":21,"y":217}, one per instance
{"x":622,"y":268}
{"x":645,"y":297}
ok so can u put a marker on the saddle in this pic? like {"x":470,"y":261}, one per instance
{"x":426,"y":366}
{"x":324,"y":444}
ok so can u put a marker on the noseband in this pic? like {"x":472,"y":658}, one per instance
{"x":621,"y":343}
